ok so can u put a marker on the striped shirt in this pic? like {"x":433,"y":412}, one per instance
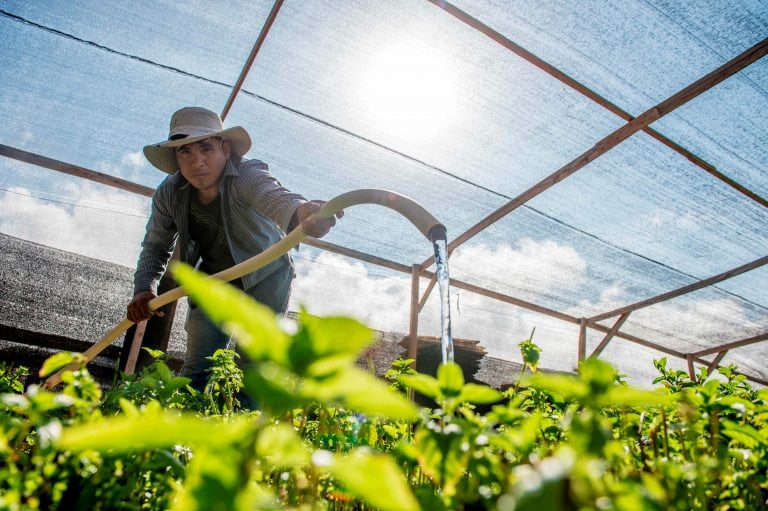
{"x":255,"y":213}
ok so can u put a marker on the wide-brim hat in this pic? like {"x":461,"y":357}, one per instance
{"x":192,"y":124}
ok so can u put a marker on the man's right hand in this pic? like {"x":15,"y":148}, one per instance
{"x":138,"y":309}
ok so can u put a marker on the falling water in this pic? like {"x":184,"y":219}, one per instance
{"x":441,"y":262}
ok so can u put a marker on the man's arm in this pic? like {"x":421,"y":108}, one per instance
{"x":156,"y":250}
{"x":315,"y":227}
{"x":287,"y":209}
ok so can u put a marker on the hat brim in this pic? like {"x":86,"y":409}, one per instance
{"x":163,"y":154}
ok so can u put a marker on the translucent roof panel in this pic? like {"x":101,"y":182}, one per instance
{"x":635,"y":53}
{"x":405,"y":75}
{"x":727,"y":127}
{"x":645,"y":199}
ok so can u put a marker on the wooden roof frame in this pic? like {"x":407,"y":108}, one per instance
{"x":418,"y":271}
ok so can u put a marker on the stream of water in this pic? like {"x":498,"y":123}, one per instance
{"x":441,"y":264}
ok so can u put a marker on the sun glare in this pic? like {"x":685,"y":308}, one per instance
{"x":408,"y":89}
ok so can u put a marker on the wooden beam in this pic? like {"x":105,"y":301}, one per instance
{"x":594,"y":96}
{"x":458,"y":284}
{"x":716,"y":362}
{"x":608,"y":336}
{"x":732,"y":345}
{"x":615,"y":138}
{"x":682,"y":290}
{"x":427,"y":292}
{"x":356,"y":254}
{"x":249,"y":62}
{"x":74,"y":170}
{"x":691,"y":368}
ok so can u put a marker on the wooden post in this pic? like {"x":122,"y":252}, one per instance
{"x":413,"y":330}
{"x":133,"y":353}
{"x":157,"y":329}
{"x":582,"y":339}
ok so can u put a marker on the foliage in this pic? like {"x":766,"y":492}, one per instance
{"x":326,"y":435}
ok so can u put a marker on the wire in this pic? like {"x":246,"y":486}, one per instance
{"x":82,"y":206}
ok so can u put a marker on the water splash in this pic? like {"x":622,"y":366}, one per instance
{"x":441,"y":263}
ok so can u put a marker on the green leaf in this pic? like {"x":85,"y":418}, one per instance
{"x":215,"y":480}
{"x":253,"y":324}
{"x":321,"y":337}
{"x":530,"y":353}
{"x":629,"y":396}
{"x":598,"y":374}
{"x":421,"y":383}
{"x":59,"y":361}
{"x":744,"y":434}
{"x":568,"y":387}
{"x":274,"y":388}
{"x":152,"y":430}
{"x":479,"y":394}
{"x":373,"y":477}
{"x":155,"y":354}
{"x":450,"y":377}
{"x":357,"y":390}
{"x":442,"y":458}
{"x":281,"y":447}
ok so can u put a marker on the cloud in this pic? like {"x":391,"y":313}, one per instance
{"x":132,"y":167}
{"x":88,"y":219}
{"x":332,"y":284}
{"x":531,"y":266}
{"x":134,"y":159}
{"x":681,"y":323}
{"x":666,"y":217}
{"x":25,"y":138}
{"x":611,"y":297}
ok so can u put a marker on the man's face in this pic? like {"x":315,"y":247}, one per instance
{"x":202,"y":163}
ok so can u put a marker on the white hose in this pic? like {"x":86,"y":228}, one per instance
{"x":417,"y":215}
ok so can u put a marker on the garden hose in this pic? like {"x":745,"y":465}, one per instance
{"x":410,"y":209}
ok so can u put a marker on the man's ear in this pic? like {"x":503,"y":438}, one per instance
{"x":226,"y":147}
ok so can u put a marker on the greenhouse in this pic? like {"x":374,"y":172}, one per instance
{"x":600,"y":166}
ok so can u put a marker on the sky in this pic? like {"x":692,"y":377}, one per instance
{"x":403,"y":97}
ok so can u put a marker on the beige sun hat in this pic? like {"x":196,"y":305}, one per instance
{"x":192,"y":124}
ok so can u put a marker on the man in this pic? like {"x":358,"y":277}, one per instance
{"x":220,"y":210}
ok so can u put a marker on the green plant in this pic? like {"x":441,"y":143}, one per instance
{"x":328,"y":435}
{"x":315,"y":365}
{"x":11,"y":377}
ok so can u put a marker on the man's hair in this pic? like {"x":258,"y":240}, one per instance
{"x":233,"y":156}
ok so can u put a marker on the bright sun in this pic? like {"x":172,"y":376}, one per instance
{"x":409,"y":89}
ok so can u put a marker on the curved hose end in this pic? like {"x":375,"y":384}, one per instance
{"x":437,"y":233}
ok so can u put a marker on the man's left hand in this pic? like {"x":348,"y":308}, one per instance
{"x":313,"y":225}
